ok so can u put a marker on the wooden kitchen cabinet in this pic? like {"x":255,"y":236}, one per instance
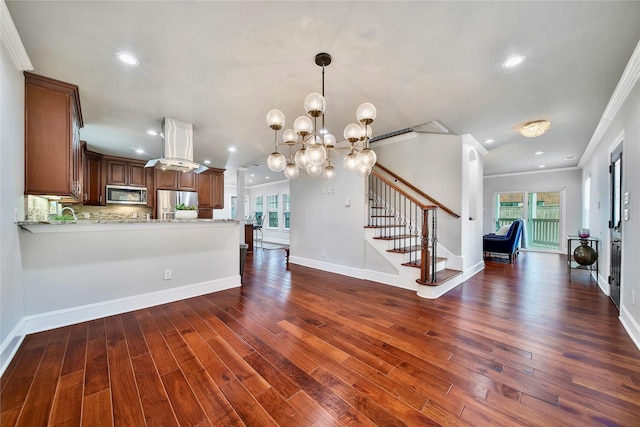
{"x":94,"y":178}
{"x":53,"y":155}
{"x":174,"y":180}
{"x":211,"y":190}
{"x":151,"y":188}
{"x":125,"y":172}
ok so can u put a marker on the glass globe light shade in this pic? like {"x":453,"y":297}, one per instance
{"x":275,"y":119}
{"x":367,"y":157}
{"x":303,"y":125}
{"x":329,"y":172}
{"x":352,"y":132}
{"x":317,"y":154}
{"x":363,"y":170}
{"x":365,"y":132}
{"x":366,"y":113}
{"x":314,"y":170}
{"x":350,"y":163}
{"x":291,"y":171}
{"x":329,"y":140}
{"x":289,"y":136}
{"x":315,"y":104}
{"x":301,"y":158}
{"x":276,"y":161}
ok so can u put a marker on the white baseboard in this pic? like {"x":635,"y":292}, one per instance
{"x":603,"y":284}
{"x":358,"y":273}
{"x":473,"y":270}
{"x":70,"y":316}
{"x":630,"y":325}
{"x":11,"y":344}
{"x":389,"y":279}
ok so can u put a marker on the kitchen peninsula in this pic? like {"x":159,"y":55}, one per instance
{"x":81,"y":270}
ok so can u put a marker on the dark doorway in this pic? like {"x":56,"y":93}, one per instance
{"x":615,"y":225}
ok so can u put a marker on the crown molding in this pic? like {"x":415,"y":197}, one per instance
{"x":628,"y":80}
{"x":11,"y":39}
{"x":501,"y":175}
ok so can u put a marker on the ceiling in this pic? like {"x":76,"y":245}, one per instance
{"x":223,"y":65}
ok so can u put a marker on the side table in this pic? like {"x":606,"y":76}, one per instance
{"x":593,"y":242}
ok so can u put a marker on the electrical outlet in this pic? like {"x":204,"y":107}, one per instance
{"x":323,"y":253}
{"x":134,"y":215}
{"x":167,"y":275}
{"x":633,"y":297}
{"x":15,"y":214}
{"x":87,"y":215}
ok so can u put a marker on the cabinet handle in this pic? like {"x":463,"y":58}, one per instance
{"x":100,"y":199}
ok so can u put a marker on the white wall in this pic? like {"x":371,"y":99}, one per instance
{"x":324,"y":232}
{"x":274,"y":235}
{"x":229,"y":191}
{"x":472,"y":160}
{"x":11,"y":190}
{"x":568,"y":179}
{"x":626,"y":124}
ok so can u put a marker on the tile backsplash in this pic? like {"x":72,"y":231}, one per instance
{"x":39,"y":208}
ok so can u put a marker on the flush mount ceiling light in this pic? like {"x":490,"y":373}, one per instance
{"x":513,"y":61}
{"x":535,"y":128}
{"x":489,"y":141}
{"x":314,"y":154}
{"x":128,"y":58}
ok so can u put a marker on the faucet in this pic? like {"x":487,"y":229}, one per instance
{"x":75,"y":218}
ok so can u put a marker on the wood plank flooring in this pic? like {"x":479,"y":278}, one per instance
{"x":515,"y":345}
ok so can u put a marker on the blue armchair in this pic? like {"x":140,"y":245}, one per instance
{"x":508,"y":244}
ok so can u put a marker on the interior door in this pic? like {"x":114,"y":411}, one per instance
{"x":615,"y":225}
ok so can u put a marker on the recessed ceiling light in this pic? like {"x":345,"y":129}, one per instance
{"x":252,"y":175}
{"x":570,"y":157}
{"x":232,"y":149}
{"x":489,"y":141}
{"x":513,"y":61}
{"x":250,"y":181}
{"x":266,"y":177}
{"x":128,"y":58}
{"x":542,"y":166}
{"x":537,"y":153}
{"x":139,"y":151}
{"x":152,"y":132}
{"x":206,"y":162}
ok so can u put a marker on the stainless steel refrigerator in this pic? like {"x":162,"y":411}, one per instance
{"x":167,"y":200}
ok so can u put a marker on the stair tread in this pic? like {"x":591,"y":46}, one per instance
{"x":444,"y":275}
{"x":398,"y":237}
{"x":418,"y":262}
{"x":382,"y":216}
{"x":405,"y":249}
{"x":384,"y":226}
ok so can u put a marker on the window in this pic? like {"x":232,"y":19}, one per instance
{"x":234,"y":202}
{"x":258,"y":210}
{"x":272,"y":206}
{"x":286,"y":199}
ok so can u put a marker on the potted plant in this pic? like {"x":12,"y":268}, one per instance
{"x":186,"y":211}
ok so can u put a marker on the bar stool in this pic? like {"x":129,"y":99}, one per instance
{"x":257,"y":228}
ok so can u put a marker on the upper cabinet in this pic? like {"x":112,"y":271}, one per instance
{"x":211,"y":189}
{"x":174,"y":180}
{"x":126,"y":172}
{"x":53,"y":156}
{"x":93,"y":182}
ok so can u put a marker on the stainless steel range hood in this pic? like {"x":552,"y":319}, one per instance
{"x":178,"y":148}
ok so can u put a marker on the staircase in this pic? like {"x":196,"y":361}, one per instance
{"x":402,"y":227}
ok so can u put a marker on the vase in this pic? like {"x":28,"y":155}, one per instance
{"x":583,"y":232}
{"x":585,"y":254}
{"x":182,"y":214}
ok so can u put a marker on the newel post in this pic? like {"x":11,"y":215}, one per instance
{"x":425,"y":274}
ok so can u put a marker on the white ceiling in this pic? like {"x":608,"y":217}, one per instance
{"x":223,"y":65}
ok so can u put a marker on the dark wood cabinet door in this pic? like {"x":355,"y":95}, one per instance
{"x":217,"y":188}
{"x":204,"y":213}
{"x":204,"y":191}
{"x":186,"y":181}
{"x":116,"y":172}
{"x":137,"y":175}
{"x":151,"y":187}
{"x":93,"y":183}
{"x":166,"y":180}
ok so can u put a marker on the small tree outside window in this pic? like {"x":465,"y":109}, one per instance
{"x":272,"y":206}
{"x":286,"y":200}
{"x":258,"y":209}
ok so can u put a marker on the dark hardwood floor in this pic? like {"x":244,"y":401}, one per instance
{"x":515,"y":345}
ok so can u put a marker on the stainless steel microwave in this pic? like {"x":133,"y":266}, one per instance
{"x":117,"y":194}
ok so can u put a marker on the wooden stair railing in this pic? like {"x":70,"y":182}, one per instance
{"x":417,"y":190}
{"x":408,"y":214}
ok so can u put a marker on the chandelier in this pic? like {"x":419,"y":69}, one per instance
{"x":535,"y":128}
{"x":314,"y":152}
